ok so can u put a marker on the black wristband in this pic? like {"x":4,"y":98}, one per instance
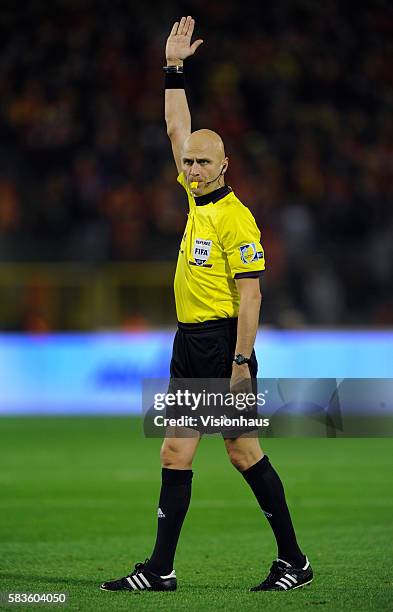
{"x":174,"y":80}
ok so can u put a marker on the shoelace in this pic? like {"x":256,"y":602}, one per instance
{"x":275,"y":573}
{"x":139,"y":567}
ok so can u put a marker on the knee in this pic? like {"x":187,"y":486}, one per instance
{"x":243,"y":459}
{"x":173,"y":457}
{"x":238,"y":459}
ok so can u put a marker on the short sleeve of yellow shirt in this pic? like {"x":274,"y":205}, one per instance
{"x":240,"y":239}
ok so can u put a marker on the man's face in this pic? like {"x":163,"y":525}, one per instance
{"x":202,"y":163}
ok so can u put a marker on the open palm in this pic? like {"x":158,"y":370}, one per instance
{"x":178,"y":45}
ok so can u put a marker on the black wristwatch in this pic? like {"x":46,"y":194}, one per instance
{"x":241,"y":359}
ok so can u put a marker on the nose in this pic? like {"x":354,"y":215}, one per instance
{"x":194,"y":169}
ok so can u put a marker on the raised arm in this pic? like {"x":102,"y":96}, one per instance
{"x":177,"y":114}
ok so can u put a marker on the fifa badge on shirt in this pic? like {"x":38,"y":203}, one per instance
{"x":248,"y":253}
{"x":201,"y":251}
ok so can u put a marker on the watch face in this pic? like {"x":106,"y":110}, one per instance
{"x":241,"y":359}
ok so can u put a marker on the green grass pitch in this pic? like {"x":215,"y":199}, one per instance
{"x":78,"y":499}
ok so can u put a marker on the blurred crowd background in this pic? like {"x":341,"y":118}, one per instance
{"x":301,"y":92}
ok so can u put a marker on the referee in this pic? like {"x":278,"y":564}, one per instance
{"x":218,"y":299}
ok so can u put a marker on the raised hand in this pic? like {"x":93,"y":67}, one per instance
{"x":178,"y":44}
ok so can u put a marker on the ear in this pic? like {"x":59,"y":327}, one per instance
{"x":224,"y":166}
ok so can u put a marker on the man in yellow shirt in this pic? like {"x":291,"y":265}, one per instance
{"x":218,"y":299}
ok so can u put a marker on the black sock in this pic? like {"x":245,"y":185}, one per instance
{"x":267,"y":488}
{"x":173,"y":505}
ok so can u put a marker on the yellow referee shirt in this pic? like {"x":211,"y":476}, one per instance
{"x":221,"y":242}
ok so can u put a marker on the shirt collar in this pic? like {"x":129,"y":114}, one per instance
{"x":213,"y":196}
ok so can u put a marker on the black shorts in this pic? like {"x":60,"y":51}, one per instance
{"x":205,"y":351}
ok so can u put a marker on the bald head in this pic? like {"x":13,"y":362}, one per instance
{"x":206,"y":141}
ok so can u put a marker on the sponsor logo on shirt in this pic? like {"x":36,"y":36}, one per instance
{"x":249,"y":253}
{"x":201,"y":251}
